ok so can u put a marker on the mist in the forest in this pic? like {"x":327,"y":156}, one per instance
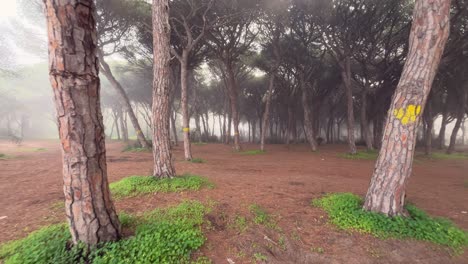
{"x":26,"y":106}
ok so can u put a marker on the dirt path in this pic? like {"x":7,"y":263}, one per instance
{"x":283,"y":181}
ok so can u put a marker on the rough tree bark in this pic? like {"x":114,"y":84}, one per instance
{"x":163,"y":167}
{"x":125,"y":101}
{"x":428,"y":36}
{"x":74,"y":75}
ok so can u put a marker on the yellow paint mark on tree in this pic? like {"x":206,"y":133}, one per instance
{"x":407,"y":115}
{"x":186,"y":129}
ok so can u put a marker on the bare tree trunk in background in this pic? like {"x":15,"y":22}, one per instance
{"x":174,"y":128}
{"x":346,"y":75}
{"x":460,"y":118}
{"x":163,"y":167}
{"x":266,"y":113}
{"x":184,"y":103}
{"x":308,"y":127}
{"x":229,"y":128}
{"x":441,"y":138}
{"x":428,"y":36}
{"x":125,"y":101}
{"x":123,"y":125}
{"x":233,"y":96}
{"x":74,"y":75}
{"x":254,"y":131}
{"x":364,"y":122}
{"x":430,"y":126}
{"x":463,"y":128}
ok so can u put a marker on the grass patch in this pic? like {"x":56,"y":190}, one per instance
{"x":136,"y":149}
{"x":345,"y":211}
{"x":261,"y":217}
{"x":138,"y":185}
{"x":5,"y":156}
{"x":200,"y":144}
{"x":361,"y":155}
{"x":445,"y":156}
{"x":198,"y":160}
{"x":252,"y":152}
{"x":168,"y":235}
{"x":24,"y":149}
{"x":239,"y":224}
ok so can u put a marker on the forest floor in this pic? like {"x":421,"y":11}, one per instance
{"x":283,"y":181}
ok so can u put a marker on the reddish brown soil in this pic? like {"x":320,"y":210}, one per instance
{"x":283,"y":181}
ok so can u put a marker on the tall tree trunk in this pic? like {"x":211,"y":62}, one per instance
{"x":308,"y":127}
{"x":233,"y":96}
{"x":443,"y":126}
{"x":123,"y":125}
{"x":346,"y":75}
{"x":460,"y":118}
{"x":266,"y":113}
{"x":184,"y":104}
{"x":290,"y":124}
{"x":174,"y":128}
{"x":125,"y":101}
{"x":430,"y":126}
{"x":116,"y":123}
{"x":74,"y":75}
{"x":364,"y":122}
{"x":163,"y":167}
{"x":428,"y":36}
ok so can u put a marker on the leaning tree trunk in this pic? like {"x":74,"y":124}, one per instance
{"x":308,"y":127}
{"x":266,"y":114}
{"x":428,"y":36}
{"x":125,"y":101}
{"x":346,"y":74}
{"x":74,"y":75}
{"x":460,"y":118}
{"x":163,"y":167}
{"x":184,"y":104}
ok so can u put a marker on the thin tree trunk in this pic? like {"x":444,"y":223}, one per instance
{"x":428,"y":36}
{"x":364,"y":122}
{"x":163,"y":167}
{"x":233,"y":96}
{"x":346,"y":75}
{"x":125,"y":101}
{"x":174,"y":128}
{"x":184,"y":104}
{"x":74,"y":75}
{"x":308,"y":125}
{"x":443,"y":126}
{"x":460,"y":118}
{"x":266,"y":113}
{"x":123,"y":125}
{"x":430,"y":125}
